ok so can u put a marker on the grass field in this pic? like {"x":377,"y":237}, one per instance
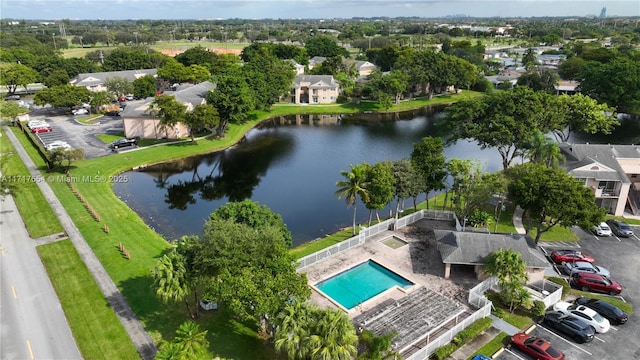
{"x":38,"y":216}
{"x":79,"y":52}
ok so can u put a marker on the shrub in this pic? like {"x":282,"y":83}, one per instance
{"x":538,"y":309}
{"x":560,"y":281}
{"x":463,"y":337}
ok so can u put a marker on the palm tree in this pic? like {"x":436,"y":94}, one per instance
{"x":192,"y":340}
{"x":377,"y":347}
{"x":334,"y":337}
{"x":170,"y":279}
{"x":542,"y":150}
{"x":170,"y":351}
{"x":352,"y":186}
{"x":292,"y":334}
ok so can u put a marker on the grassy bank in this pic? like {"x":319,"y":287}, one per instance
{"x":35,"y":211}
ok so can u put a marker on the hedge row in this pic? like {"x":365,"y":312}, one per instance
{"x":463,"y":337}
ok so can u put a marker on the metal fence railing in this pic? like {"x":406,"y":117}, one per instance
{"x":371,"y":231}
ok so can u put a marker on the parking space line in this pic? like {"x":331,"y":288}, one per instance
{"x":637,"y":238}
{"x":616,"y":236}
{"x":514,"y":354}
{"x":613,"y":328}
{"x":565,"y":340}
{"x":597,"y":338}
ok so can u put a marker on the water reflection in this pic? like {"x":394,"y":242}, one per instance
{"x":291,"y":164}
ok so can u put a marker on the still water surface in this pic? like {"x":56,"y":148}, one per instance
{"x":291,"y":164}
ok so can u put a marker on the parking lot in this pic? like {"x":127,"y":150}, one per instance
{"x":620,"y":256}
{"x":65,"y":128}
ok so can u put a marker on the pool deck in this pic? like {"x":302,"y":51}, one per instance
{"x":418,"y":261}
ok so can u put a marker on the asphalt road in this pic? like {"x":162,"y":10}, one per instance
{"x":33,"y":324}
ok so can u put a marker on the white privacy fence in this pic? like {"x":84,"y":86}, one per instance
{"x":478,"y":300}
{"x":373,"y":230}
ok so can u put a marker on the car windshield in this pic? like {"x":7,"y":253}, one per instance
{"x":529,"y":340}
{"x":553,"y":352}
{"x":604,"y":227}
{"x":598,"y":318}
{"x":625,"y":227}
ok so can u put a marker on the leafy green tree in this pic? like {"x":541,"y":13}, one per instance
{"x":14,"y":75}
{"x":174,"y":72}
{"x":169,"y":110}
{"x":270,"y":78}
{"x":380,"y":180}
{"x":196,"y":56}
{"x":552,"y":197}
{"x":254,"y":215}
{"x":252,"y":273}
{"x":503,"y":120}
{"x":427,"y":157}
{"x":99,"y":98}
{"x":324,"y":46}
{"x":198,"y":74}
{"x":233,"y":98}
{"x":119,"y":86}
{"x":144,"y":87}
{"x":571,"y":68}
{"x":540,"y":80}
{"x":510,"y":269}
{"x":170,"y":279}
{"x":62,"y":96}
{"x":203,"y":116}
{"x":71,"y":155}
{"x":616,"y":83}
{"x":353,"y":185}
{"x":529,"y":59}
{"x":408,"y":182}
{"x":393,"y":84}
{"x":56,"y":78}
{"x":542,"y":150}
{"x":580,"y":113}
{"x":11,"y":110}
{"x":126,"y":59}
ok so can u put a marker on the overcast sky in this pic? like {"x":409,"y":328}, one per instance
{"x":315,"y":9}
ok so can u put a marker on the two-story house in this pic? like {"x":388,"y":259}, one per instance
{"x":612,"y":172}
{"x":314,"y":89}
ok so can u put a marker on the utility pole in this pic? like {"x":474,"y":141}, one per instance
{"x":81,"y":45}
{"x":54,"y":42}
{"x":136,"y":34}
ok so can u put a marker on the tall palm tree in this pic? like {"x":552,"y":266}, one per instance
{"x":170,"y":279}
{"x":542,"y":150}
{"x":352,"y":186}
{"x":334,"y":337}
{"x":192,"y":340}
{"x":292,"y":334}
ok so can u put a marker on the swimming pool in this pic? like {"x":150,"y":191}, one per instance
{"x":361,"y":283}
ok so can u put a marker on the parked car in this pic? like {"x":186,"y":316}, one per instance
{"x":57,"y":144}
{"x":574,"y":328}
{"x":602,"y":229}
{"x":595,"y":282}
{"x":120,"y":143}
{"x":35,"y":123}
{"x":620,"y":228}
{"x":607,"y":310}
{"x":565,"y":256}
{"x":583,"y":266}
{"x":81,"y":111}
{"x":41,"y":128}
{"x":129,"y":97}
{"x":590,"y":316}
{"x":536,"y":347}
{"x":112,"y":113}
{"x":481,"y":357}
{"x":12,"y":97}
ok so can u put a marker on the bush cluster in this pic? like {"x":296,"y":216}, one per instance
{"x":462,"y":338}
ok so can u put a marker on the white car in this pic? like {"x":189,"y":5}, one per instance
{"x":583,"y":266}
{"x":591,"y":317}
{"x":602,"y":229}
{"x":57,"y":144}
{"x":80,"y":111}
{"x":36,"y":123}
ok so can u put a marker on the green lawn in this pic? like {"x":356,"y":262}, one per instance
{"x":84,"y":305}
{"x":35,"y":210}
{"x":501,"y":340}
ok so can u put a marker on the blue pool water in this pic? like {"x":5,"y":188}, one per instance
{"x":361,"y":283}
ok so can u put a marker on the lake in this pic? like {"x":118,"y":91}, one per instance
{"x":291,"y":164}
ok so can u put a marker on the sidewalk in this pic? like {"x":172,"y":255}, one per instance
{"x":133,"y":326}
{"x":479,"y":341}
{"x":517,"y":220}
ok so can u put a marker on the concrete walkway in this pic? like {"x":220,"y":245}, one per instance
{"x":132,"y":325}
{"x":479,"y":341}
{"x":504,"y":326}
{"x":517,"y":220}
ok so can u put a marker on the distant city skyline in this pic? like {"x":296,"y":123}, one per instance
{"x":306,"y":9}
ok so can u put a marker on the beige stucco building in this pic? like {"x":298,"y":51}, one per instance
{"x":314,"y":89}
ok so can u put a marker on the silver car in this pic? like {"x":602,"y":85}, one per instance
{"x":583,"y":266}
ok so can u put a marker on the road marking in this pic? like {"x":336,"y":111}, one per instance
{"x":13,"y":290}
{"x":30,"y":351}
{"x":613,"y":328}
{"x":597,"y":338}
{"x":637,"y":238}
{"x":514,"y":354}
{"x":565,"y":340}
{"x":616,"y":236}
{"x":596,"y":238}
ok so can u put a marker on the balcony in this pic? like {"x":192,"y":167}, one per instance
{"x":607,"y":193}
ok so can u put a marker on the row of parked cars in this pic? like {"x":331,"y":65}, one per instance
{"x":39,"y":126}
{"x":583,"y":274}
{"x":611,"y":227}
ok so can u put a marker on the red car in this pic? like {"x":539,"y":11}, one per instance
{"x":565,"y":256}
{"x":595,"y":282}
{"x":536,"y":347}
{"x":41,"y":129}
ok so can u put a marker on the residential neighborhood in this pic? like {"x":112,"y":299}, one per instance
{"x":386,"y":188}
